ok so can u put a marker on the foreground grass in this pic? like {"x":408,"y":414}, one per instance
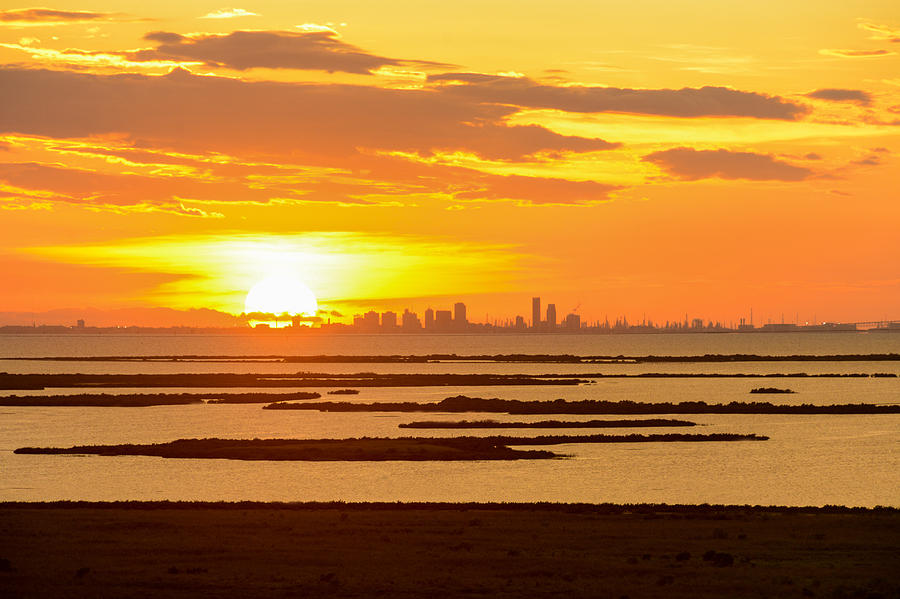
{"x":445,"y":550}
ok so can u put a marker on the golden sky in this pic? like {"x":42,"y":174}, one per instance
{"x":632,"y":158}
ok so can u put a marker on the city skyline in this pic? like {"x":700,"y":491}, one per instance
{"x":456,"y":320}
{"x":630,"y":159}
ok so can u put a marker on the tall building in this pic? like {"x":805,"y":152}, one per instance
{"x":388,"y":321}
{"x":551,"y":317}
{"x":429,"y":319}
{"x":535,"y":313}
{"x":459,"y":316}
{"x":370,"y":321}
{"x":573,"y":322}
{"x":520,"y":322}
{"x":410,"y":321}
{"x":443,"y":320}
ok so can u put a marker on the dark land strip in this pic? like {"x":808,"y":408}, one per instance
{"x":416,"y":550}
{"x":426,"y":358}
{"x":462,"y":403}
{"x":363,"y":379}
{"x":373,"y":448}
{"x":475,"y":424}
{"x":141,"y":400}
{"x":300,"y":379}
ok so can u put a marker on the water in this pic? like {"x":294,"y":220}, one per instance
{"x":284,"y":342}
{"x":809,"y":460}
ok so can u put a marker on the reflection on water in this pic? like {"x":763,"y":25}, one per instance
{"x":810,"y":460}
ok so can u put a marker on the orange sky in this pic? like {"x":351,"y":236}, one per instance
{"x":641,"y":158}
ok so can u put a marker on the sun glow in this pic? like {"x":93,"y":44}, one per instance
{"x":281,"y":294}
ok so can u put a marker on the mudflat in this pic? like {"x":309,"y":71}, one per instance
{"x":445,"y":550}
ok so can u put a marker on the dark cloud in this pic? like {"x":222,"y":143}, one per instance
{"x":685,"y":102}
{"x":872,"y":160}
{"x":242,"y":50}
{"x":842,"y":95}
{"x":813,"y":156}
{"x":49,"y":16}
{"x":313,"y":121}
{"x":691,"y":164}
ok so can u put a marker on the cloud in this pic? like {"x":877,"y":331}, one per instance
{"x":228,"y":13}
{"x":536,"y":190}
{"x":121,"y":192}
{"x":854,"y":53}
{"x":309,"y":123}
{"x":882,"y":32}
{"x":842,"y":95}
{"x":691,"y":164}
{"x":685,"y":102}
{"x":813,"y":156}
{"x":48,"y":16}
{"x":241,"y":50}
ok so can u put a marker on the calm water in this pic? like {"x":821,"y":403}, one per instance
{"x":810,"y":460}
{"x":285,"y":343}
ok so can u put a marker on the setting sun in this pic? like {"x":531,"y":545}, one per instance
{"x":281,"y":294}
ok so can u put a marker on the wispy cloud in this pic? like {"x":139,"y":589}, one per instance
{"x":855,"y":53}
{"x":49,"y":17}
{"x":881,"y":32}
{"x":228,"y":13}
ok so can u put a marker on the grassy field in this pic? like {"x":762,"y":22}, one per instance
{"x":445,"y":550}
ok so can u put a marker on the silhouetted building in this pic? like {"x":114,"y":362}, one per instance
{"x":429,"y":319}
{"x":443,"y":320}
{"x":536,"y":313}
{"x":79,"y":323}
{"x":371,"y":321}
{"x":410,"y":321}
{"x":520,"y":322}
{"x":551,"y":317}
{"x":573,"y":322}
{"x":388,"y":321}
{"x":459,"y":316}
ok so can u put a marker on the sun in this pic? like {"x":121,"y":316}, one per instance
{"x":281,"y":294}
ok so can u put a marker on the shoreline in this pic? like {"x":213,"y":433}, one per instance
{"x":549,"y":506}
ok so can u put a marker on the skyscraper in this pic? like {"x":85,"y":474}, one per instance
{"x":443,"y":321}
{"x":551,"y":317}
{"x":388,"y":321}
{"x":429,"y":319}
{"x":410,"y":322}
{"x":535,"y":313}
{"x":459,"y":316}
